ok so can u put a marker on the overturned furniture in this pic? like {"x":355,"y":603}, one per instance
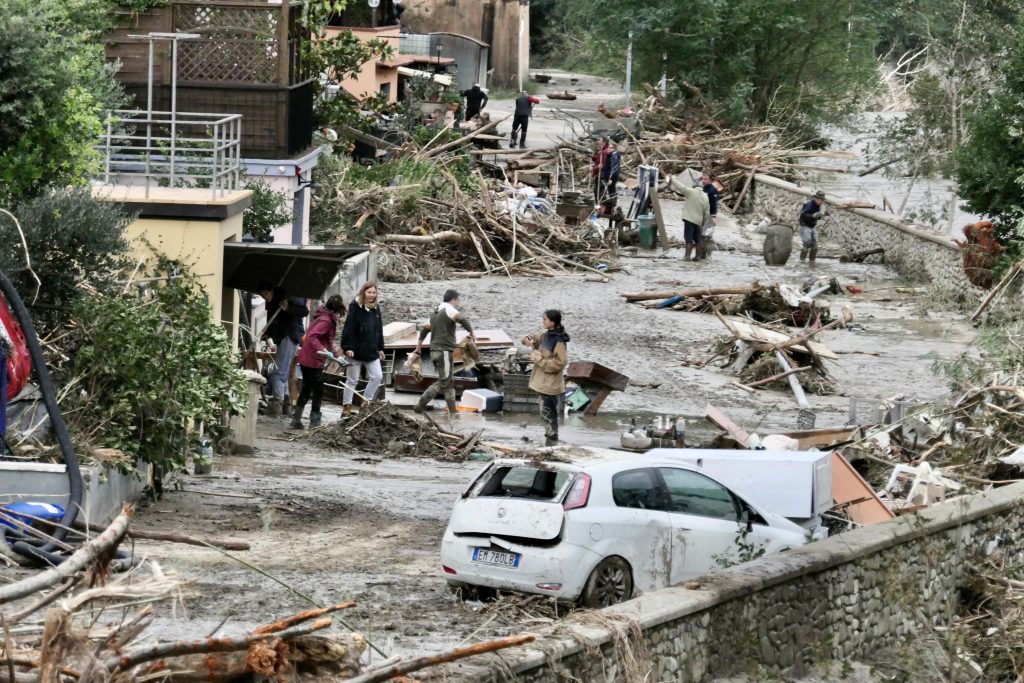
{"x":596,"y":382}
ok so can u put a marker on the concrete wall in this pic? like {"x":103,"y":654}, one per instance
{"x":106,"y":489}
{"x":914,"y":252}
{"x":504,"y":24}
{"x":840,"y":598}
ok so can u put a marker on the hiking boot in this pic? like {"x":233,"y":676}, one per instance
{"x":296,"y":422}
{"x":314,"y":420}
{"x":346,"y":410}
{"x":274,"y":407}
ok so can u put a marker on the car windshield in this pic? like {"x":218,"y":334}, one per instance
{"x":525,"y":481}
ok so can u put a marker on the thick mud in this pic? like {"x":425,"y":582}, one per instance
{"x":337,"y":525}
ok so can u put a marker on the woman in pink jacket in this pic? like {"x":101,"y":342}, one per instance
{"x":319,"y":337}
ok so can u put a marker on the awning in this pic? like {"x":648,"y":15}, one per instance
{"x":301,"y":270}
{"x":443,"y":79}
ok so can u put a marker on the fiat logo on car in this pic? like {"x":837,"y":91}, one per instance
{"x":501,"y":512}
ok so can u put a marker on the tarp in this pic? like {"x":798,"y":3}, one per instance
{"x":443,"y":79}
{"x":302,"y":270}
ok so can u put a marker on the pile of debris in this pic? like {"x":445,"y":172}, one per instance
{"x":383,"y":429}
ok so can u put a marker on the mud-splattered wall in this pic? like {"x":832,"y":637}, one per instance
{"x":841,"y":598}
{"x":914,"y":252}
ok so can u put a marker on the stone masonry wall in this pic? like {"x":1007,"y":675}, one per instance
{"x":914,"y":252}
{"x":839,"y":598}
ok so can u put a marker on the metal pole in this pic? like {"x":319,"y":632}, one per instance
{"x":149,"y":116}
{"x":174,"y":104}
{"x":629,"y":68}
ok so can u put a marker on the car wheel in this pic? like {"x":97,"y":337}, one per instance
{"x":610,"y":583}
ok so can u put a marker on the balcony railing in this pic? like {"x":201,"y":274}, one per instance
{"x":172,"y":149}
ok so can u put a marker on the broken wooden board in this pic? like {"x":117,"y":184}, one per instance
{"x":750,"y":333}
{"x":722,"y":420}
{"x":659,"y":219}
{"x":849,"y":486}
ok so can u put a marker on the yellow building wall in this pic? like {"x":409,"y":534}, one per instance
{"x":372,"y":74}
{"x":200,"y":245}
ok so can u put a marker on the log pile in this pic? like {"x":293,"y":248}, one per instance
{"x":78,"y":623}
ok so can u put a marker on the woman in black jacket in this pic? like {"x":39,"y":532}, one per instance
{"x":362,"y":340}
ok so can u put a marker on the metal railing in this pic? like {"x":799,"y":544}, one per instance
{"x":172,"y":149}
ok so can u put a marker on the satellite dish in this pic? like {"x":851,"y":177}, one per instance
{"x":373,"y":3}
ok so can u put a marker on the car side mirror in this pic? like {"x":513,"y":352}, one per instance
{"x":748,"y":519}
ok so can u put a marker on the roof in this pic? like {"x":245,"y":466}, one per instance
{"x":303,"y":270}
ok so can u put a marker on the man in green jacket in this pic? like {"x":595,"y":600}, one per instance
{"x":442,"y":345}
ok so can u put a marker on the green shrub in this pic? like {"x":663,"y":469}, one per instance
{"x":143,"y":366}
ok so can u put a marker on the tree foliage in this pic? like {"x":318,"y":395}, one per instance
{"x":795,"y":63}
{"x":55,"y":85}
{"x":145,"y":365}
{"x":990,"y":165}
{"x":71,"y":238}
{"x":269,"y":210}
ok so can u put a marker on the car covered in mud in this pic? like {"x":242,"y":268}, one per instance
{"x":602,"y":530}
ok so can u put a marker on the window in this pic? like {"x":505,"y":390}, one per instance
{"x":637,"y":489}
{"x":695,"y":494}
{"x":520,"y":481}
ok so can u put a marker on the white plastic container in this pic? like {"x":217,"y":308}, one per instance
{"x":483,"y":400}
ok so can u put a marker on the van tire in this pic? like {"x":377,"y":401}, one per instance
{"x":610,"y":583}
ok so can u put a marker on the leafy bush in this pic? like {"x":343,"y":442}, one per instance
{"x":55,"y":85}
{"x":269,"y":210}
{"x":143,"y":366}
{"x":71,"y":238}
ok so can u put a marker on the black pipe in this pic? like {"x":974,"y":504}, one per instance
{"x":60,"y":428}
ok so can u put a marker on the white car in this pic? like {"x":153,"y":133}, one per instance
{"x":603,"y":530}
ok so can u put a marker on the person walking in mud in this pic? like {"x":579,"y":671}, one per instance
{"x":810,"y":214}
{"x":707,"y":237}
{"x":442,"y":345}
{"x":362,"y":340}
{"x":550,"y":354}
{"x":521,"y":118}
{"x":319,"y":339}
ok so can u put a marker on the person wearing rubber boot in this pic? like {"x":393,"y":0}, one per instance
{"x":319,"y":339}
{"x":696,"y":212}
{"x":550,"y":353}
{"x":442,"y":345}
{"x":810,"y":214}
{"x":362,"y":340}
{"x":285,"y":330}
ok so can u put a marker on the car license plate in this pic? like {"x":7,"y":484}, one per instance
{"x":488,"y":556}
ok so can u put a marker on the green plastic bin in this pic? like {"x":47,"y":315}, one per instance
{"x":648,"y":231}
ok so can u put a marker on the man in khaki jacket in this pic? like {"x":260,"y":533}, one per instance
{"x":696,"y":214}
{"x":549,"y":358}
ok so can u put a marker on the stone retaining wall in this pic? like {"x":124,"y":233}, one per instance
{"x":839,"y":599}
{"x":914,"y":252}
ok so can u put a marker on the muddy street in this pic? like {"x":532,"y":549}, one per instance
{"x":334,"y":526}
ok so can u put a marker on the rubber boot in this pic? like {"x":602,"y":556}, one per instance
{"x":314,"y":420}
{"x":813,"y":254}
{"x":550,"y":440}
{"x":803,"y":253}
{"x":274,"y":407}
{"x":296,"y":422}
{"x":689,"y":253}
{"x":421,"y":405}
{"x":346,"y":410}
{"x":452,"y":408}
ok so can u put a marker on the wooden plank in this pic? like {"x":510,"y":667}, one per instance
{"x":749,"y":333}
{"x":722,"y":420}
{"x":848,"y":486}
{"x":659,"y":219}
{"x":398,"y":330}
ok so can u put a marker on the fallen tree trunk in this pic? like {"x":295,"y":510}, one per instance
{"x":169,"y":537}
{"x":781,"y":375}
{"x":455,"y":144}
{"x":444,"y":236}
{"x":401,"y":668}
{"x":690,"y":293}
{"x":102,"y":546}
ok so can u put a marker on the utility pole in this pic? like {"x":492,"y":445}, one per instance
{"x":629,"y":69}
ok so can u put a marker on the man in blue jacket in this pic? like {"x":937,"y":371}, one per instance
{"x":810,"y":214}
